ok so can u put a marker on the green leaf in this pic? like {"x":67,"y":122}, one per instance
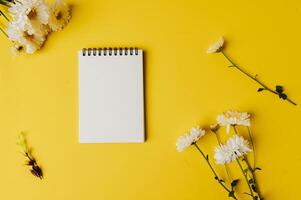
{"x":247,"y":193}
{"x":282,"y":96}
{"x":279,"y":89}
{"x":260,"y":89}
{"x":254,"y":188}
{"x":4,"y":3}
{"x":231,"y":194}
{"x":257,"y":168}
{"x":234,"y":183}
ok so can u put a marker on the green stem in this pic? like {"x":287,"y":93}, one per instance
{"x":1,"y":13}
{"x":248,"y":163}
{"x":254,"y":78}
{"x":235,"y":130}
{"x":252,"y":143}
{"x":246,"y":178}
{"x":253,"y":147}
{"x":226,"y":166}
{"x":5,"y":3}
{"x":253,"y":176}
{"x":213,"y":171}
{"x":3,"y":32}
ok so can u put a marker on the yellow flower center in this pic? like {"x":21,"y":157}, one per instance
{"x":32,"y":14}
{"x":59,"y":15}
{"x":28,"y":36}
{"x":19,"y":48}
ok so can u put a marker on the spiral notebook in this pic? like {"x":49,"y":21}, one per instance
{"x":111,"y":97}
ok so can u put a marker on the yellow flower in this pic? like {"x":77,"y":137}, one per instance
{"x":60,"y":15}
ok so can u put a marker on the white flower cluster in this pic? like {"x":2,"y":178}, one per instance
{"x":235,"y":147}
{"x":33,"y":20}
{"x":189,"y":138}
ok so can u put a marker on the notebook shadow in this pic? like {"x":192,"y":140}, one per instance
{"x":144,"y":95}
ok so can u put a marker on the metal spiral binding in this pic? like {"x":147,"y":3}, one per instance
{"x":109,"y":51}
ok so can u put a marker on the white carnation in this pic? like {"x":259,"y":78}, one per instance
{"x":217,"y":46}
{"x":235,"y":147}
{"x":189,"y":138}
{"x":233,"y":118}
{"x":31,"y":41}
{"x":60,"y":15}
{"x":30,"y":14}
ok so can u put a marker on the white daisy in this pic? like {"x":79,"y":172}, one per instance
{"x":189,"y":138}
{"x":217,"y":46}
{"x":29,"y":14}
{"x":235,"y":147}
{"x":233,"y":118}
{"x":60,"y":15}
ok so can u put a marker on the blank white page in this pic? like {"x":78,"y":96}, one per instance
{"x":111,"y":97}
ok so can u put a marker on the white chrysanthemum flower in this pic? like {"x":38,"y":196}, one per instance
{"x":31,"y":41}
{"x":30,"y":14}
{"x":235,"y":147}
{"x":60,"y":15}
{"x":233,"y":118}
{"x":217,"y":46}
{"x":238,"y":145}
{"x":189,"y":138}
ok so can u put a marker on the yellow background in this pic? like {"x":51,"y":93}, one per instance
{"x":184,"y":87}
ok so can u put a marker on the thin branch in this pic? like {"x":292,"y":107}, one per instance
{"x":213,"y":171}
{"x":253,"y":176}
{"x":1,"y":13}
{"x":4,"y":32}
{"x":226,"y":166}
{"x":253,"y":147}
{"x":246,"y":178}
{"x":255,"y":78}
